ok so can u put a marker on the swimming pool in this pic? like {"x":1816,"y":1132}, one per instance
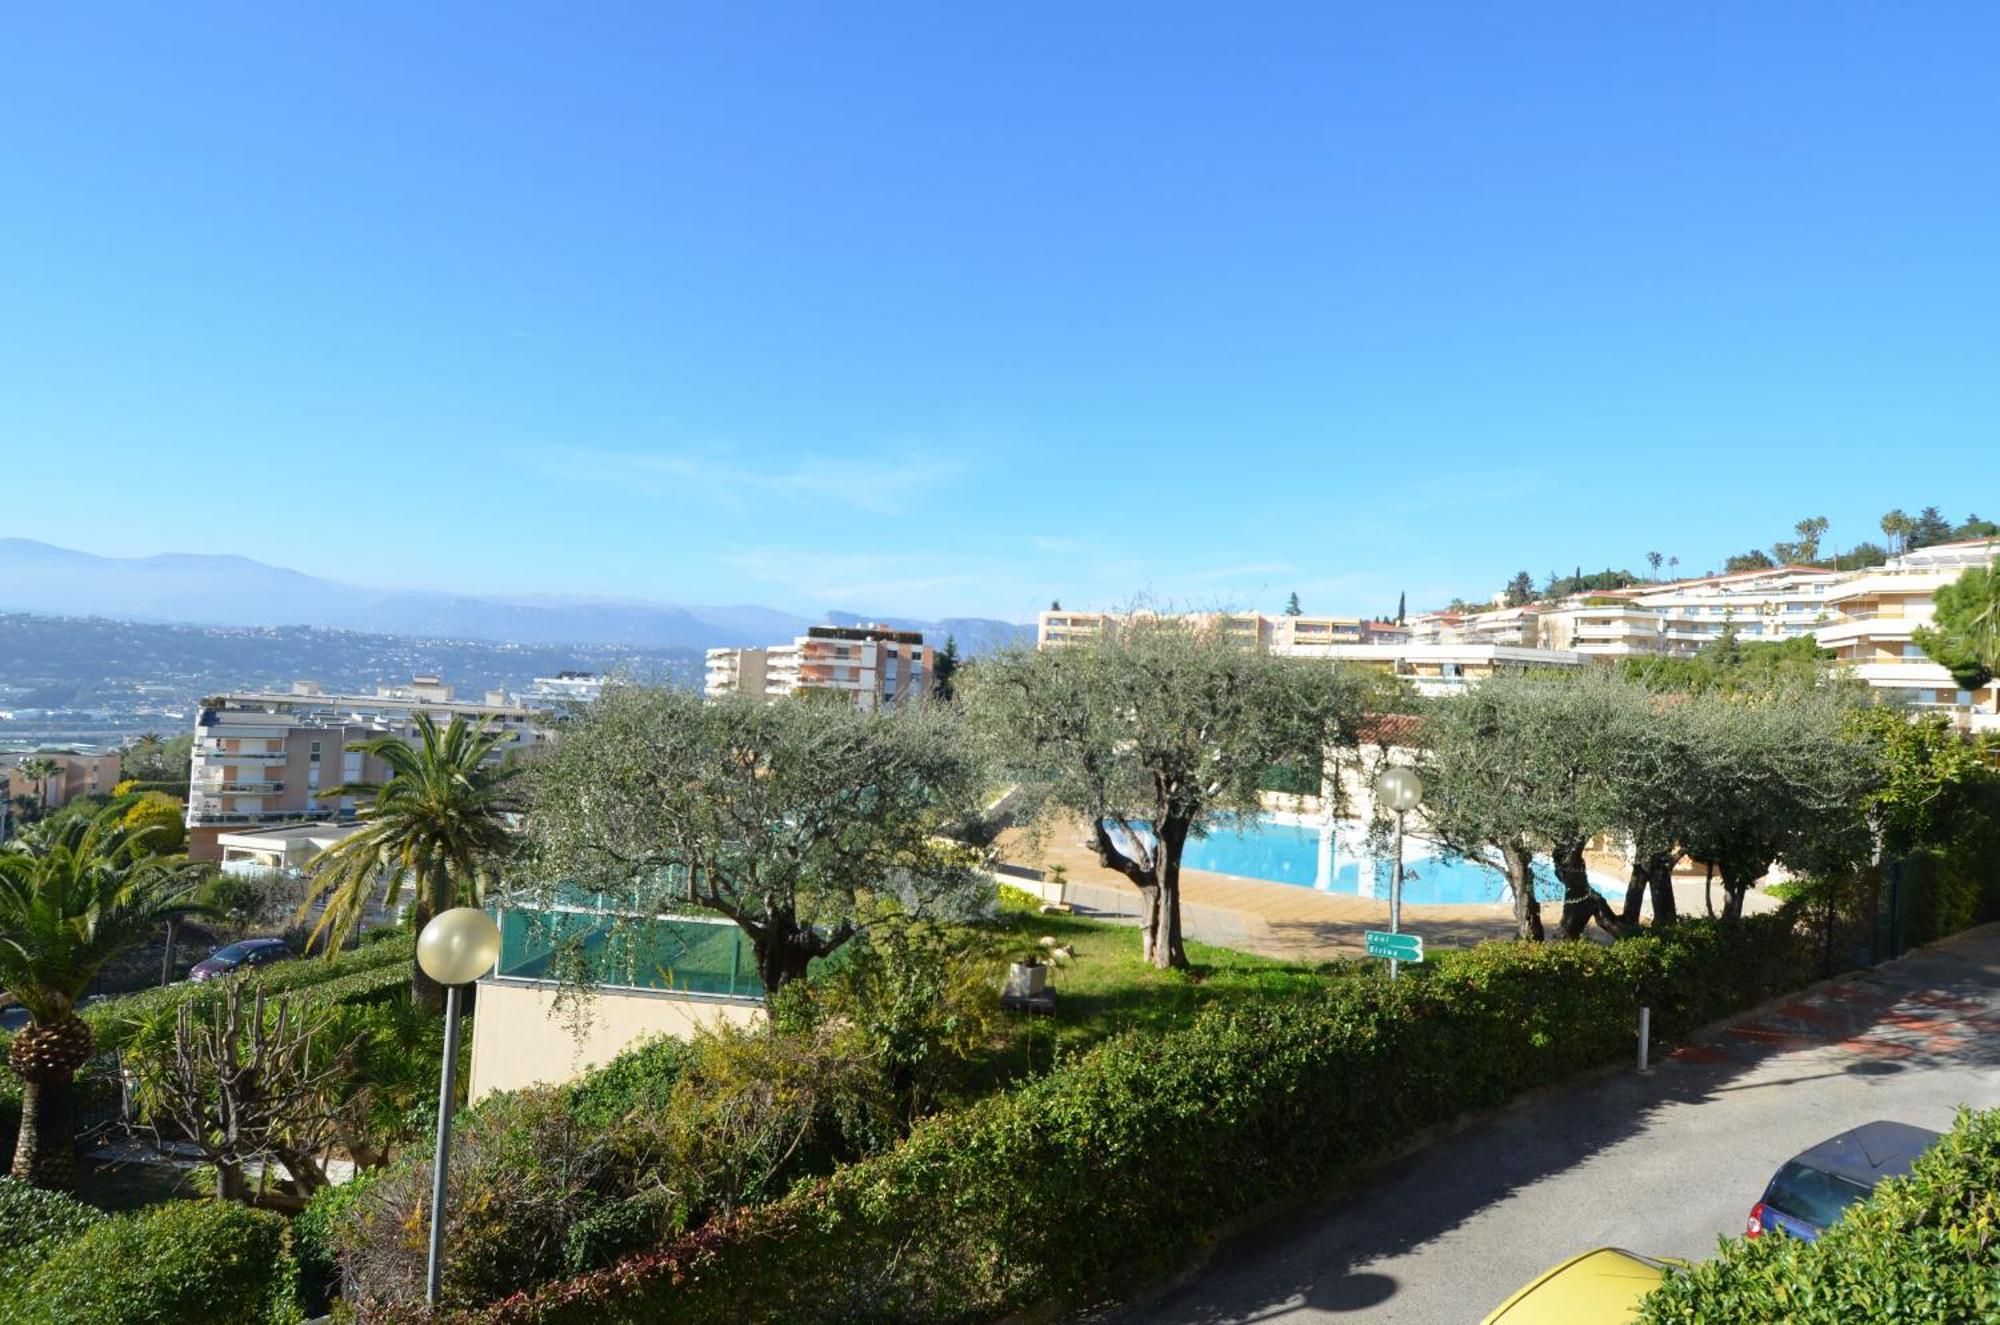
{"x":1334,"y":857}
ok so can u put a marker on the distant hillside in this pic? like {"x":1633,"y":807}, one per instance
{"x":235,"y":591}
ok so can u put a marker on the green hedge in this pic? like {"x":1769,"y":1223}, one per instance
{"x":1125,"y":1157}
{"x":182,"y":1263}
{"x":1921,"y":1250}
{"x":30,"y":1220}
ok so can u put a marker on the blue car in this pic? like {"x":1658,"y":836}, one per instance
{"x":1816,"y":1186}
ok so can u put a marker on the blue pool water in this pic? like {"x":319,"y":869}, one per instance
{"x":1316,"y":857}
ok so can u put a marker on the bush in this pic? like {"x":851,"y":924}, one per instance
{"x":1920,"y":1250}
{"x":1127,"y":1156}
{"x":551,"y":1182}
{"x":182,"y":1263}
{"x":316,"y":1239}
{"x":30,"y":1220}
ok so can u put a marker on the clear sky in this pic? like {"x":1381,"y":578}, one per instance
{"x":951,"y":308}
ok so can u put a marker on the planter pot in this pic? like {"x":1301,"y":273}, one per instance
{"x":1025,"y":981}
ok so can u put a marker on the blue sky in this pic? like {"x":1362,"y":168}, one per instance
{"x":934,"y":309}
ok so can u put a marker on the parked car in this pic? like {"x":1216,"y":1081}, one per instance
{"x":1816,"y":1186}
{"x":1601,"y":1287}
{"x":240,"y":956}
{"x":13,"y":1017}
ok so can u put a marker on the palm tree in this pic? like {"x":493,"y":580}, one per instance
{"x":38,"y":769}
{"x":439,"y":824}
{"x":1896,"y":527}
{"x":67,"y":907}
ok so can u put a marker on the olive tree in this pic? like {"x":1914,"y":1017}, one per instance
{"x":799,"y":820}
{"x":1522,"y":764}
{"x":1656,"y":775}
{"x":1784,"y":778}
{"x":1154,"y":732}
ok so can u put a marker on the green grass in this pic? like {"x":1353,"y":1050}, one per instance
{"x":1108,"y":987}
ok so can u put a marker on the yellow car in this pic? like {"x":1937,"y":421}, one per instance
{"x":1601,"y":1287}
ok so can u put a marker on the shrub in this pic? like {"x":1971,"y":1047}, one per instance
{"x":540,"y":1188}
{"x":1920,"y":1250}
{"x":316,"y":1239}
{"x":30,"y":1220}
{"x":185,"y":1261}
{"x":1126,"y":1156}
{"x":637,"y":1082}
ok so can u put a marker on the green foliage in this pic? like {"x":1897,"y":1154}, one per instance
{"x":163,"y":763}
{"x":157,"y":823}
{"x":1920,"y":1250}
{"x":32,"y":1221}
{"x":1728,"y":666}
{"x":1965,"y":638}
{"x":803,"y":823}
{"x":636,"y":1083}
{"x":316,"y":1232}
{"x":439,"y":826}
{"x":537,"y":1191}
{"x":1129,"y":1155}
{"x":174,"y":1264}
{"x":1754,"y":559}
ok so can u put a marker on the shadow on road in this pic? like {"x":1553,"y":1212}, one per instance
{"x":1938,"y":1010}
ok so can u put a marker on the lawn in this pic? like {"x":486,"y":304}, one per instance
{"x":1107,"y":986}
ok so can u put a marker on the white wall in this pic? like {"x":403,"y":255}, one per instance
{"x":516,"y":1042}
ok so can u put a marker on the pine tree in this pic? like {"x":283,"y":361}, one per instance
{"x":1402,"y":600}
{"x":1292,"y":607}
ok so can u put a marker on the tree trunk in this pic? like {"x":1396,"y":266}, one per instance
{"x":1635,"y":890}
{"x":1520,"y":866}
{"x":1665,"y":911}
{"x":44,"y":1150}
{"x":784,"y":950}
{"x":426,"y":994}
{"x":1162,"y":919}
{"x":1581,"y":902}
{"x":46,"y":1058}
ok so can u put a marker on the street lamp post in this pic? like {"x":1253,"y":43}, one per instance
{"x":1400,"y":790}
{"x":456,"y":948}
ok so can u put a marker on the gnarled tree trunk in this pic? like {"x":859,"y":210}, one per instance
{"x":1581,"y":903}
{"x":1519,"y":862}
{"x":1158,"y":879}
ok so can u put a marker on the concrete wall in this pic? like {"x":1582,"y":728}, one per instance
{"x":516,"y":1042}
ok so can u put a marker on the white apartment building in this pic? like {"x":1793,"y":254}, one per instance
{"x":1760,"y":606}
{"x":1876,"y":611}
{"x":564,"y":690}
{"x":1309,"y":636}
{"x":873,"y":666}
{"x":265,"y":758}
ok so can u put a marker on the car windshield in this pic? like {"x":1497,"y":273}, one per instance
{"x":235,"y":952}
{"x":1806,"y":1193}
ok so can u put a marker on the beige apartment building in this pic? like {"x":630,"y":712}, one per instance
{"x":263,"y":759}
{"x":1310,"y":636}
{"x":1875,"y":613}
{"x":77,"y":774}
{"x":873,"y":666}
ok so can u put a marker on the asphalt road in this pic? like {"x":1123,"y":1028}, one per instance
{"x":1661,"y":1163}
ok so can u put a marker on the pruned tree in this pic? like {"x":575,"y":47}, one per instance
{"x":246,"y":1083}
{"x":802,"y":822}
{"x":1158,"y":732}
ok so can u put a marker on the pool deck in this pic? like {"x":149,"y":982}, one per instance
{"x":1281,"y":920}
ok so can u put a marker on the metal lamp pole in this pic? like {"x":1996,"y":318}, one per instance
{"x":1400,"y":790}
{"x":456,"y":948}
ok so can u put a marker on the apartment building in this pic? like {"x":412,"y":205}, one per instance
{"x":1446,"y":669}
{"x":76,"y":773}
{"x":873,"y":666}
{"x":564,"y":690}
{"x":1875,"y":612}
{"x":1759,"y":606}
{"x":1310,"y":636}
{"x":264,"y":759}
{"x":1603,"y":626}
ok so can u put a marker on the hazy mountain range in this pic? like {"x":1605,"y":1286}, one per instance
{"x":236,"y":591}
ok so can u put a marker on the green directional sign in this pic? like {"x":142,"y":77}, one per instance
{"x":1398,"y":947}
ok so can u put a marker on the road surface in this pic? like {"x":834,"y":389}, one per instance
{"x":1661,"y":1163}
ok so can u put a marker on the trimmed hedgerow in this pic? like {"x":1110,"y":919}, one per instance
{"x":1125,"y":1157}
{"x":1922,"y":1249}
{"x":30,"y":1220}
{"x":185,"y":1261}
